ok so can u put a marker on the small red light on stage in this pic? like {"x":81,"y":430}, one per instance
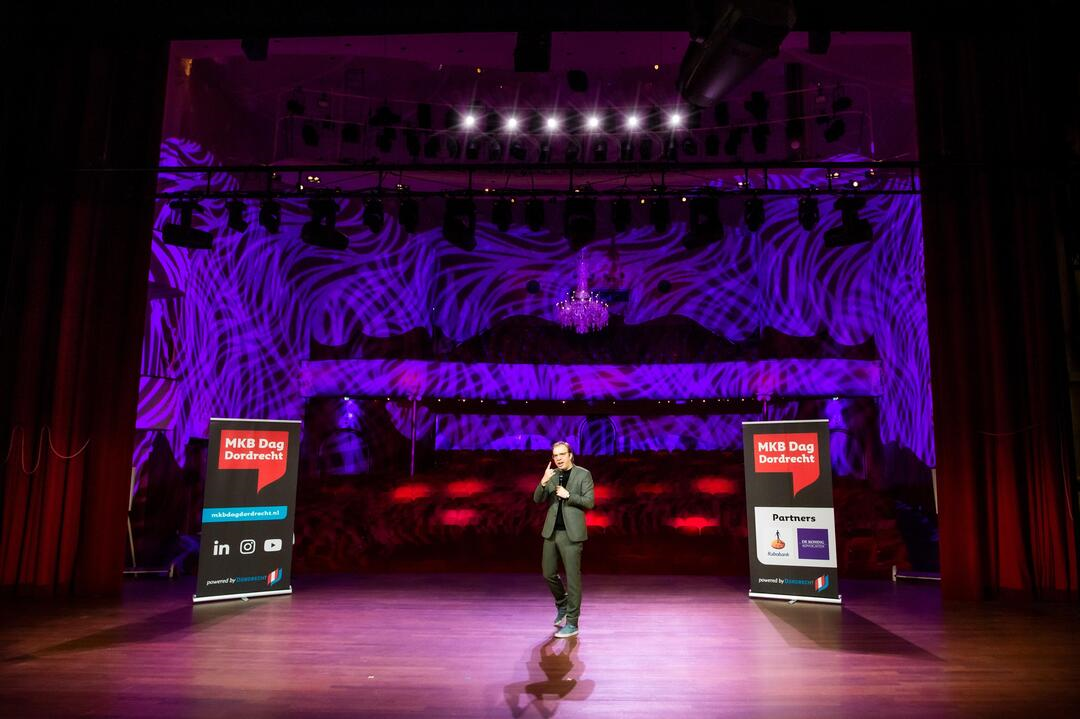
{"x":603,"y":493}
{"x":459,"y":517}
{"x":410,"y":492}
{"x":693,"y":524}
{"x":465,"y":488}
{"x":597,"y":520}
{"x":716,"y":485}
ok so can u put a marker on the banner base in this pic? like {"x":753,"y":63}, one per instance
{"x":245,"y":595}
{"x":793,"y":598}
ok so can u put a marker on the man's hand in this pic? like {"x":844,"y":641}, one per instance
{"x":548,"y":474}
{"x":562,"y":492}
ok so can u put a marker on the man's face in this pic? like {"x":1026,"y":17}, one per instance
{"x":561,"y":456}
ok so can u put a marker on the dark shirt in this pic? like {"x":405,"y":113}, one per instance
{"x":564,"y":477}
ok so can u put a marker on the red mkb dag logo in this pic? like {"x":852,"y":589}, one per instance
{"x":796,"y":453}
{"x":255,"y":449}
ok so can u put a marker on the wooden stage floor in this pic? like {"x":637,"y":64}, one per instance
{"x":468,"y":645}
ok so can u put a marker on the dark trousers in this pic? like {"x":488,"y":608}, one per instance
{"x":569,"y":596}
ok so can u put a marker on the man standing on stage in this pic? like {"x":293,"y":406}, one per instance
{"x":568,"y":491}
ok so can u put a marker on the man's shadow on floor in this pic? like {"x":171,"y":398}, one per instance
{"x":553,"y":677}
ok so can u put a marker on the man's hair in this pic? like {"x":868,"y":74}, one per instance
{"x":564,"y":443}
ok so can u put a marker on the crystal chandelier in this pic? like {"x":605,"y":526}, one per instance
{"x":582,"y":310}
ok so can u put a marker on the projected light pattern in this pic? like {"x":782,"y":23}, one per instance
{"x":232,"y":325}
{"x":783,"y":377}
{"x":634,"y":434}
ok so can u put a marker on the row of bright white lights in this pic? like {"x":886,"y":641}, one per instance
{"x":592,"y":122}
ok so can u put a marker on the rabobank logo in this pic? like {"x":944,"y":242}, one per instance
{"x":274,"y":577}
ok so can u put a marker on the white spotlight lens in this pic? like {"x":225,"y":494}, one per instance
{"x":632,"y":122}
{"x":470,"y":121}
{"x":675,"y":119}
{"x":553,"y":123}
{"x":593,"y":122}
{"x":511,"y":123}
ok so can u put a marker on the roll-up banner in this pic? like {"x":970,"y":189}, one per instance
{"x":248,"y":509}
{"x":789,"y":511}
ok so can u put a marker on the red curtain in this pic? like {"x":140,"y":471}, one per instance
{"x":993,"y":119}
{"x":73,"y":304}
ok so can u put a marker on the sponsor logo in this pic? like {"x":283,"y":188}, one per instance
{"x":247,"y":546}
{"x":813,"y":543}
{"x":220,"y":549}
{"x":274,"y":577}
{"x":821,"y":583}
{"x":261,"y":450}
{"x":796,"y":453}
{"x":272,"y":545}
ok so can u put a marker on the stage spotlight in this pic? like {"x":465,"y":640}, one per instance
{"x":552,"y":124}
{"x":703,"y":227}
{"x":459,"y":223}
{"x":544,"y":155}
{"x":626,"y":150}
{"x":502,"y":214}
{"x":374,"y":215}
{"x":270,"y":216}
{"x":472,"y":149}
{"x":754,"y":213}
{"x":852,"y":229}
{"x":468,"y":121}
{"x":237,"y":223}
{"x":660,"y":214}
{"x":320,"y":230}
{"x":409,"y":214}
{"x":534,"y":214}
{"x":580,"y":221}
{"x":674,"y":120}
{"x":494,"y":151}
{"x":633,"y":122}
{"x":182,"y":234}
{"x":592,"y":123}
{"x":809,"y":214}
{"x":511,"y":124}
{"x":620,"y":214}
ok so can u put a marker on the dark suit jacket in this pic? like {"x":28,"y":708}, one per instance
{"x":580,"y":487}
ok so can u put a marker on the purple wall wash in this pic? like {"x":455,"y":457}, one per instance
{"x":419,"y":378}
{"x":232,"y":325}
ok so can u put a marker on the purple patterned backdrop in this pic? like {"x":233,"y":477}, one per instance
{"x":229,"y":328}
